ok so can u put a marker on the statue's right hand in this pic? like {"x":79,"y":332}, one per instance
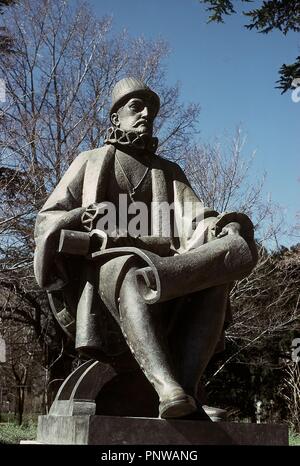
{"x":92,"y":214}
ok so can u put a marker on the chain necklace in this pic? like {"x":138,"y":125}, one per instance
{"x":132,"y":188}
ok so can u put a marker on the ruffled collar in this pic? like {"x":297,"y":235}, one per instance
{"x":130,"y":139}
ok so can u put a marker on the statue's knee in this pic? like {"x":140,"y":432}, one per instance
{"x":130,"y":277}
{"x":128,"y":289}
{"x":241,"y":256}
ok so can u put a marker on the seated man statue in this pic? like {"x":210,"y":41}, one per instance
{"x":124,"y":233}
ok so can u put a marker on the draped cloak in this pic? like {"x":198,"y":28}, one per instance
{"x":84,"y":183}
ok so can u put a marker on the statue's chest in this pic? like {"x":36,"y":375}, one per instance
{"x":132,"y":177}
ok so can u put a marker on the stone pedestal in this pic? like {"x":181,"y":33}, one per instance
{"x":114,"y":430}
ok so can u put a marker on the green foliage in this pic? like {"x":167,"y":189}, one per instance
{"x":283,"y":15}
{"x":276,"y":14}
{"x":219,"y":8}
{"x":294,"y":438}
{"x":288,"y":74}
{"x":13,"y":433}
{"x":272,"y":14}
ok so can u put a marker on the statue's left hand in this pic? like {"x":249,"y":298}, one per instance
{"x":234,"y":223}
{"x":92,"y":214}
{"x":232,"y":228}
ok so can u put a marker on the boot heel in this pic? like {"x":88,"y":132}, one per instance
{"x":177,"y":407}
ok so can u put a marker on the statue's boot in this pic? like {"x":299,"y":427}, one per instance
{"x":194,"y":336}
{"x":145,"y":338}
{"x":177,"y":405}
{"x":215,"y":414}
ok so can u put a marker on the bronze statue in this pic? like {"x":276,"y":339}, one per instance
{"x":167,"y":287}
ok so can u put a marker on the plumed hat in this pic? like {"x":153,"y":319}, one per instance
{"x":128,"y":87}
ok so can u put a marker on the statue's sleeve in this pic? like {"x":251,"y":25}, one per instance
{"x":62,"y":210}
{"x":193,"y":219}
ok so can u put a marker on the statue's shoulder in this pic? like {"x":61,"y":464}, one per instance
{"x":172,"y":168}
{"x":94,"y":153}
{"x":166,"y":163}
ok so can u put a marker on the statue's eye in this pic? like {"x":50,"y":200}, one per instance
{"x":136,"y":106}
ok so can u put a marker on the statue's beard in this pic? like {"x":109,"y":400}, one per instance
{"x":138,"y":140}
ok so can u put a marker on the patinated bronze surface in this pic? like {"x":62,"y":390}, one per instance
{"x":162,"y":295}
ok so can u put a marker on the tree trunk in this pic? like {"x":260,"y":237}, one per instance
{"x":21,"y":401}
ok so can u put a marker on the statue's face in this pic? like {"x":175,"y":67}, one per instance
{"x":137,"y":114}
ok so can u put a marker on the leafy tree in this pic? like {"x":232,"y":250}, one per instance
{"x":283,"y":15}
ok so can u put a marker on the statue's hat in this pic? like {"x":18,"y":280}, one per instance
{"x":128,"y":87}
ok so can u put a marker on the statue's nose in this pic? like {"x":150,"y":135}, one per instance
{"x":145,"y":111}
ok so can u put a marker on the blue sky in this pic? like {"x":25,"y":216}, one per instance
{"x":231,"y":72}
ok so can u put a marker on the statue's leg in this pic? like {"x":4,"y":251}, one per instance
{"x":213,"y":264}
{"x":196,"y":333}
{"x":141,"y":325}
